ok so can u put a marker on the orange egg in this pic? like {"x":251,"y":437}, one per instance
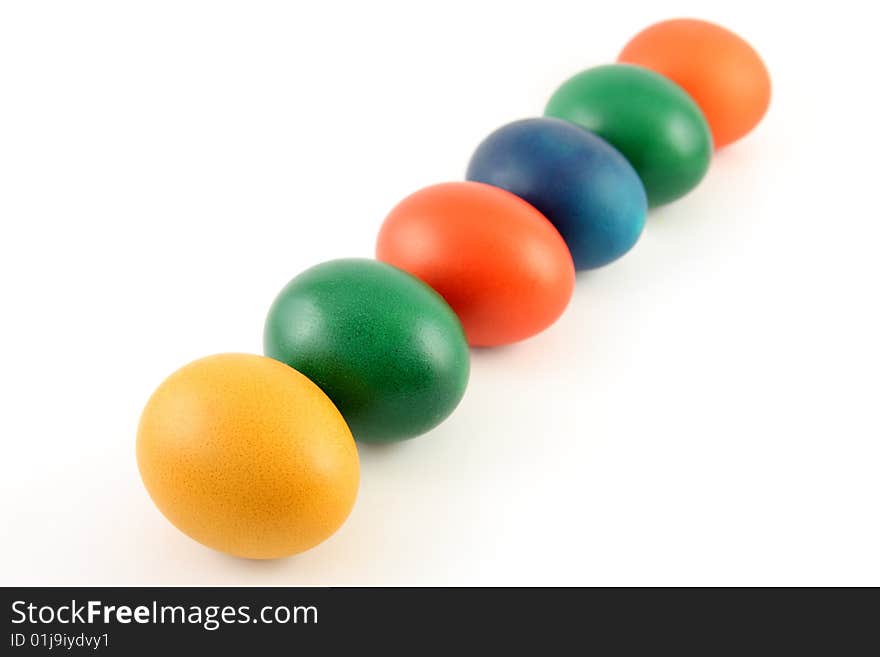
{"x":499,"y":263}
{"x":247,"y":456}
{"x":720,"y":71}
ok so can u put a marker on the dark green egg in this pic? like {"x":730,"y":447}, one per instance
{"x":385,"y":347}
{"x":648,"y":118}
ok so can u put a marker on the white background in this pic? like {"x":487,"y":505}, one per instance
{"x":706,"y":412}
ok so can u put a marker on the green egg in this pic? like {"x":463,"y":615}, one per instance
{"x":652,"y":121}
{"x":386,"y":348}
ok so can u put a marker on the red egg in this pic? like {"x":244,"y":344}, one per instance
{"x":499,"y":263}
{"x":719,"y":69}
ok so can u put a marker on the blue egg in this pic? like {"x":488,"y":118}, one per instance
{"x":582,"y":184}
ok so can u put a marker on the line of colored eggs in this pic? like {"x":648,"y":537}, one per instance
{"x":255,"y":455}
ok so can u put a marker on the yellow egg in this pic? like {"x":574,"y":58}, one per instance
{"x":247,"y":456}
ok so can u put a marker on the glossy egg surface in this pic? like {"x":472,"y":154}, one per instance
{"x":499,"y":263}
